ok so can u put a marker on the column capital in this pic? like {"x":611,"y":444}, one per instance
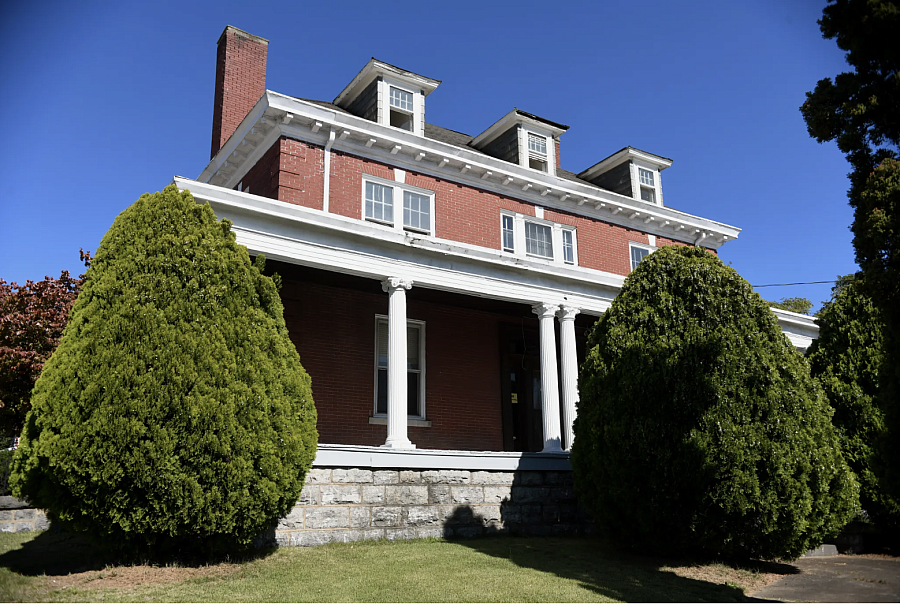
{"x":544,"y":310}
{"x":566,"y":312}
{"x":395,"y":283}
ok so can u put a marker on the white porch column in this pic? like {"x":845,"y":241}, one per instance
{"x":569,"y":369}
{"x":549,"y":380}
{"x":396,"y":287}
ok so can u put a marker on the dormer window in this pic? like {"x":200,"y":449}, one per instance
{"x":648,"y":186}
{"x":537,"y":152}
{"x":401,"y":108}
{"x":388,"y":95}
{"x":524,"y":139}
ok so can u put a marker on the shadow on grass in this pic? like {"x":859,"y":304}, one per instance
{"x":58,"y":553}
{"x":601,"y":568}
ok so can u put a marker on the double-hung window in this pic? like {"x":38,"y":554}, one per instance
{"x":415,"y":367}
{"x":648,"y":185}
{"x":401,"y":108}
{"x":537,"y":152}
{"x":378,"y":205}
{"x":532,"y":237}
{"x":638,"y":253}
{"x":538,"y":240}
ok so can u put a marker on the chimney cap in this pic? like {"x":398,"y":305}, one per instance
{"x":241,"y":33}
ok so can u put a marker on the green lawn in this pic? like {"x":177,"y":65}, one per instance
{"x":57,"y":567}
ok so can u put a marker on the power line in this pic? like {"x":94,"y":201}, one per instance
{"x":799,"y":283}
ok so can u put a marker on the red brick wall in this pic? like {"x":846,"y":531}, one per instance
{"x":334,"y":331}
{"x":240,"y":82}
{"x":461,"y":213}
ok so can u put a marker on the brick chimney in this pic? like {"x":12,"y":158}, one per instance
{"x":240,"y":81}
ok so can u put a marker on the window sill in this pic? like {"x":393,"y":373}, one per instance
{"x":409,"y":421}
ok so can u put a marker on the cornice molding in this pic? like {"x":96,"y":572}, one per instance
{"x":277,"y":115}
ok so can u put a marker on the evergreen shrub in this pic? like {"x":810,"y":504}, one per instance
{"x":175,"y":413}
{"x":846,"y":358}
{"x":699,"y":427}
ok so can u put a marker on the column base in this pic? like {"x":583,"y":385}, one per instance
{"x":552,"y":446}
{"x":398,"y":444}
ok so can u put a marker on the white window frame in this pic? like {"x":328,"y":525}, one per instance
{"x":557,"y":229}
{"x":525,"y":153}
{"x":409,"y":323}
{"x":635,"y":245}
{"x":639,"y":185}
{"x":397,"y":200}
{"x":384,"y":105}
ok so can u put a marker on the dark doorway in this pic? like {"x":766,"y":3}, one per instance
{"x":520,"y":387}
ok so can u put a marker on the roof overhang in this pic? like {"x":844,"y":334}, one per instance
{"x":276,"y":115}
{"x":622,"y":156}
{"x":514,"y":117}
{"x":375,"y":68}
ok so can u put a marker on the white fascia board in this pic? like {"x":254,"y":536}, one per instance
{"x":800,"y":329}
{"x":629,"y":153}
{"x":362,"y":456}
{"x":310,"y":237}
{"x":375,"y":68}
{"x":510,"y":120}
{"x":600,"y":203}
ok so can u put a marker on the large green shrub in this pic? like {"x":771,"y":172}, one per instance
{"x":846,"y":358}
{"x":699,"y":427}
{"x":175,"y":412}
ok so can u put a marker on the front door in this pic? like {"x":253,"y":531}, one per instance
{"x":520,"y":387}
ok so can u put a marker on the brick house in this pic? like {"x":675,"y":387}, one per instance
{"x":438,"y":287}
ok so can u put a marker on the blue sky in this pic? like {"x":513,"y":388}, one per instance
{"x":103,"y":102}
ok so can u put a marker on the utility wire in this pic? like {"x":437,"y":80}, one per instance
{"x":799,"y":283}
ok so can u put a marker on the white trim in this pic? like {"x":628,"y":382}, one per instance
{"x":650,"y":250}
{"x":421,"y":325}
{"x":398,"y":187}
{"x":506,"y":180}
{"x":382,"y":420}
{"x":361,"y":456}
{"x":310,"y":237}
{"x":520,"y":239}
{"x":800,"y":329}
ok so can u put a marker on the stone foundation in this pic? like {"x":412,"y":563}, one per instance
{"x":16,"y":516}
{"x":350,"y":504}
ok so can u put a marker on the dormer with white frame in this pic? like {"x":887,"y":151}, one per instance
{"x":524,"y":139}
{"x":389,"y":96}
{"x":630,"y":172}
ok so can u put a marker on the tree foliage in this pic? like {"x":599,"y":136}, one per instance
{"x":846,"y":359}
{"x":698,"y":424}
{"x":796,"y":304}
{"x":32,"y":318}
{"x":860,"y":110}
{"x":175,"y":412}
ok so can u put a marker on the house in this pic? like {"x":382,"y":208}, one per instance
{"x":438,"y":287}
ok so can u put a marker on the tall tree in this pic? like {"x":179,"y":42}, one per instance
{"x":860,"y":110}
{"x":175,"y":413}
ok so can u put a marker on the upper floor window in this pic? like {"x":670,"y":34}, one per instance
{"x":648,"y":185}
{"x":378,"y":205}
{"x":638,"y":253}
{"x":568,"y":239}
{"x":527,"y":236}
{"x":509,"y":242}
{"x":537,"y":152}
{"x":401,"y":108}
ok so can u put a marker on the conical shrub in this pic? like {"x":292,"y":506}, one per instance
{"x":699,"y":427}
{"x":175,"y":412}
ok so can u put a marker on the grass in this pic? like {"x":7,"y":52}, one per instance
{"x":59,"y":567}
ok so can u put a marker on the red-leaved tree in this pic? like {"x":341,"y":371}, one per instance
{"x":32,"y":319}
